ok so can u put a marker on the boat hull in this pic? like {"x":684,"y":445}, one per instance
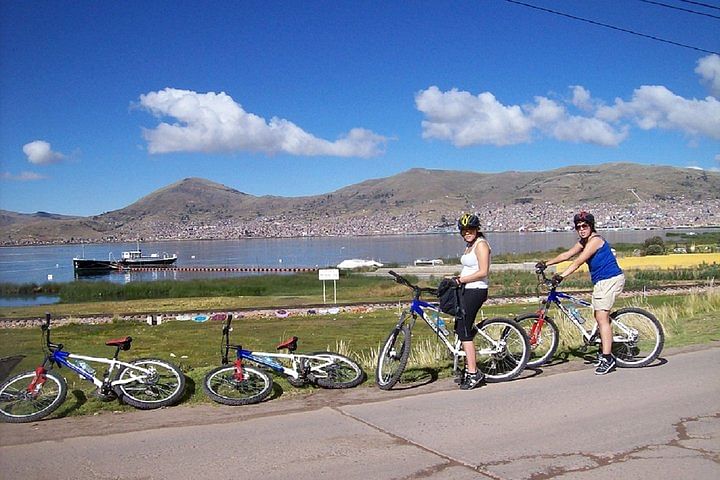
{"x":90,"y":265}
{"x":147,"y":262}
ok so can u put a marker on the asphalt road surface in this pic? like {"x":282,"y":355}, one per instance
{"x":662,"y":421}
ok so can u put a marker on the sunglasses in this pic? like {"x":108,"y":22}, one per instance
{"x":580,"y":226}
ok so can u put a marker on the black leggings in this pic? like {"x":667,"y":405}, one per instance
{"x":473,"y":299}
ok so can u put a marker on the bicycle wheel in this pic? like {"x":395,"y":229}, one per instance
{"x":543,"y":339}
{"x":393,"y":357}
{"x":638,"y":337}
{"x":221,"y":385}
{"x":18,"y":405}
{"x":502,"y":349}
{"x":341,"y":373}
{"x":163,"y":386}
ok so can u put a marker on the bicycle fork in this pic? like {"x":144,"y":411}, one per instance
{"x":239,"y":373}
{"x":536,"y":328}
{"x":37,"y":383}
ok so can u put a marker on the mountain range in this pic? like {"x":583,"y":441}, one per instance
{"x":426,"y":198}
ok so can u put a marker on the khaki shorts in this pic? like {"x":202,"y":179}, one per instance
{"x":606,"y":291}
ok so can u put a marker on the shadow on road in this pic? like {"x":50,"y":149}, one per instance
{"x":416,"y":377}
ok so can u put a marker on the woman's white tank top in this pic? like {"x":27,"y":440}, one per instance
{"x":470,"y":265}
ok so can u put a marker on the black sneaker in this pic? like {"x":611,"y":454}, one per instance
{"x":472,"y":380}
{"x":460,"y":376}
{"x":606,"y":365}
{"x":598,"y":360}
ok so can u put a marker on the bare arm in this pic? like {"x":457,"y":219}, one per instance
{"x":574,"y":250}
{"x":591,"y":247}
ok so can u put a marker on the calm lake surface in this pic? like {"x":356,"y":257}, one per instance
{"x":54,"y":263}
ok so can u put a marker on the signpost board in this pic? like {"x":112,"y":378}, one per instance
{"x":333,"y":274}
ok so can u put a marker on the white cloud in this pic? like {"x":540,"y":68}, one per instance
{"x":581,"y":98}
{"x":465,"y":120}
{"x":214,"y":122}
{"x":654,"y":107}
{"x":22,"y":176}
{"x":40,"y":152}
{"x":709,"y":70}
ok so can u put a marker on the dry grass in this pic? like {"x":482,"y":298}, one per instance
{"x":687,"y":312}
{"x":660,"y":262}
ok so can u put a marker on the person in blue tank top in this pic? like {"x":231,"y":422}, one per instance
{"x":606,"y":275}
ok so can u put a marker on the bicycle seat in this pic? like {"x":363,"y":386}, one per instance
{"x":122,"y":343}
{"x":290,"y":344}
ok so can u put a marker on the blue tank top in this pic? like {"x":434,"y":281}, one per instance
{"x":603,"y":264}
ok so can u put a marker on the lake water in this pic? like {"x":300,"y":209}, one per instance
{"x":54,"y":263}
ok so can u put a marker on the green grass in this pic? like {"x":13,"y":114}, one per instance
{"x":105,"y":298}
{"x":688,"y":320}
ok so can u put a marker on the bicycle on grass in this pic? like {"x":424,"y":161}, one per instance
{"x":502,"y":345}
{"x":240,"y":384}
{"x":144,"y":383}
{"x":638,"y":336}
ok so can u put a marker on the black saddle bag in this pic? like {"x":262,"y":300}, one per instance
{"x":450,"y":298}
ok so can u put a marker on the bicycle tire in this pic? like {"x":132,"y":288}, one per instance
{"x":646,"y":342}
{"x":18,"y":406}
{"x":163,"y":388}
{"x":342,"y":373}
{"x":546,"y":342}
{"x":393,"y":357}
{"x":222,"y":387}
{"x":509,"y":349}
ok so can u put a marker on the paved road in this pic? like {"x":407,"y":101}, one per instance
{"x":657,"y":422}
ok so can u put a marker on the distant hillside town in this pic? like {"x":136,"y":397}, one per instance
{"x":495,"y":218}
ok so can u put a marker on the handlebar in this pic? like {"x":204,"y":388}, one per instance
{"x":226,"y":327}
{"x":225,"y":342}
{"x":403,"y":281}
{"x":544,"y":280}
{"x":45,"y":327}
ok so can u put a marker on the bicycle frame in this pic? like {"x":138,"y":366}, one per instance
{"x":55,"y":355}
{"x":555,"y":298}
{"x":61,"y":358}
{"x":418,"y":308}
{"x":267,"y":359}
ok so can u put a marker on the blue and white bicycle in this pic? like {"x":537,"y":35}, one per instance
{"x":638,"y":336}
{"x":501,"y":344}
{"x":238,"y":383}
{"x":145,"y":383}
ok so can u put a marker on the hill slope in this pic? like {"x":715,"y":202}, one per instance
{"x":413,"y":201}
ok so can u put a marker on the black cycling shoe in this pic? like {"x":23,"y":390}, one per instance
{"x":472,"y":380}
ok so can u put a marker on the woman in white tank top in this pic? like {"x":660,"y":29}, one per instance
{"x":474,"y":281}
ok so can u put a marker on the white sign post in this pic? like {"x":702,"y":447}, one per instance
{"x":329,"y":274}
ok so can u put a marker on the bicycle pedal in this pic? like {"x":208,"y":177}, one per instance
{"x":105,"y":396}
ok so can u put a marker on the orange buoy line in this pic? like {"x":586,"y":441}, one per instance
{"x":221,"y":269}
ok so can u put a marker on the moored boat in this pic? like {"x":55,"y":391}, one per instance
{"x":135,"y":258}
{"x":130,"y":259}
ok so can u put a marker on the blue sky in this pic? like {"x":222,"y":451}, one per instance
{"x":102,"y":103}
